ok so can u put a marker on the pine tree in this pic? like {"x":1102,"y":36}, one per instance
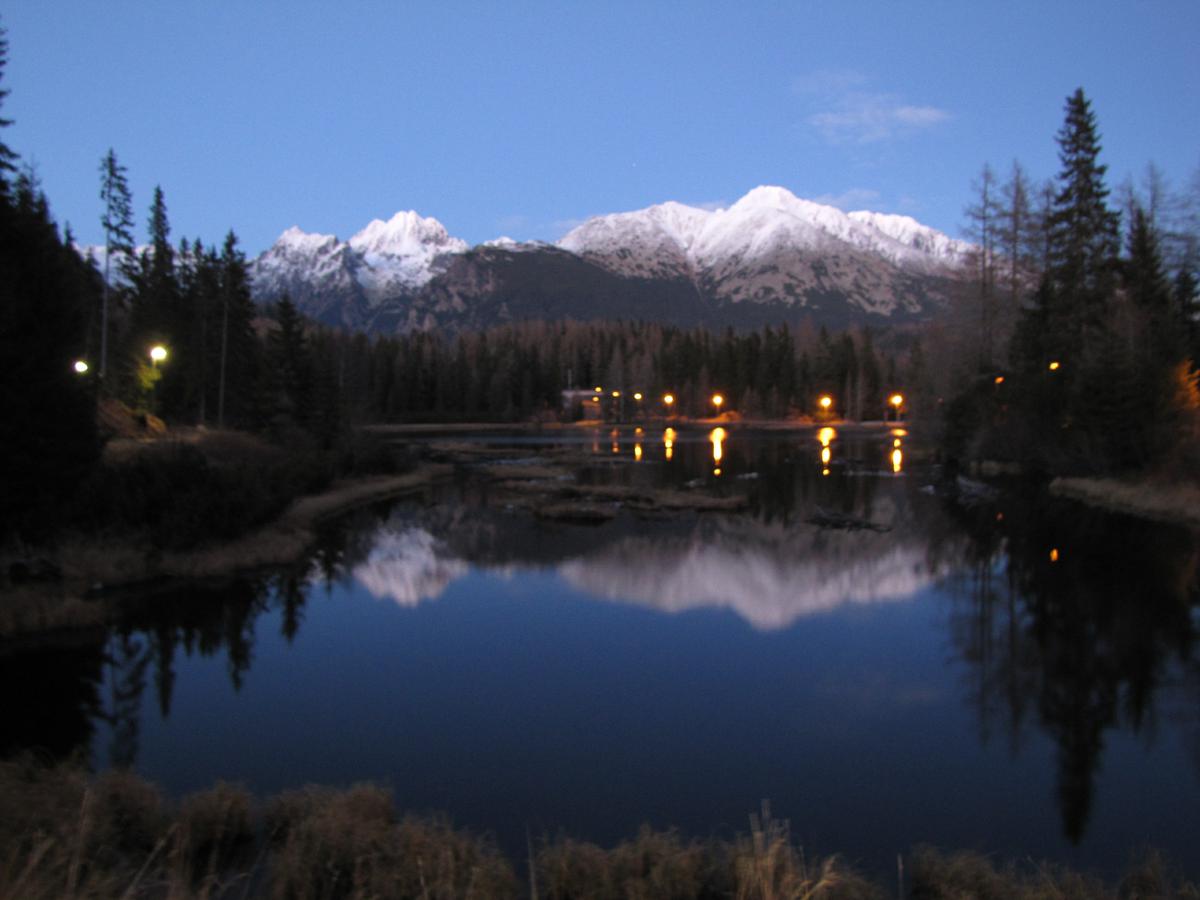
{"x":1083,"y":236}
{"x":155,"y":313}
{"x":117,"y":221}
{"x":237,"y":381}
{"x":48,"y":436}
{"x":290,"y":367}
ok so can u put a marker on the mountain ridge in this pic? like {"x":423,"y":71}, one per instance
{"x":768,"y":255}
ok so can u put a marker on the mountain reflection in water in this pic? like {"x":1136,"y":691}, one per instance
{"x":1066,"y":639}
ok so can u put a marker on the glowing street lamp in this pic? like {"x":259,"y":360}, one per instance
{"x":717,"y":400}
{"x":897,"y":400}
{"x":638,"y":396}
{"x":826,"y":404}
{"x":1054,"y":366}
{"x":157,"y":354}
{"x":81,"y":367}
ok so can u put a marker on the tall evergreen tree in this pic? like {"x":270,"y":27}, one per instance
{"x":8,"y":158}
{"x":47,"y":409}
{"x":117,"y":222}
{"x":1083,"y":235}
{"x":237,"y":382}
{"x":290,"y":367}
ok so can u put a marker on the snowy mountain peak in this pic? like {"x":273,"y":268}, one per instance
{"x":769,"y":254}
{"x":406,"y":233}
{"x":304,"y":241}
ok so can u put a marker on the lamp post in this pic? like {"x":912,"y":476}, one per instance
{"x":826,"y":404}
{"x":668,"y":402}
{"x":158,"y":353}
{"x":717,"y":400}
{"x":897,"y":400}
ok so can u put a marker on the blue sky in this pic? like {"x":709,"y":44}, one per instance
{"x":524,"y":118}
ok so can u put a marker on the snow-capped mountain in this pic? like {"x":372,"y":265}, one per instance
{"x":343,"y":282}
{"x":769,"y":256}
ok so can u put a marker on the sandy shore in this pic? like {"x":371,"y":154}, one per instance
{"x":1165,"y":503}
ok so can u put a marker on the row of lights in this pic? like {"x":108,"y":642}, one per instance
{"x":718,"y":400}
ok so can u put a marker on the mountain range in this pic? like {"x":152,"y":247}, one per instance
{"x":769,"y":257}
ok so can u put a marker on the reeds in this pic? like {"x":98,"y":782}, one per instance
{"x":68,"y":836}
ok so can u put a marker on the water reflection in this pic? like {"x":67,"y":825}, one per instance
{"x":1079,"y":640}
{"x":1063,"y":625}
{"x":717,"y":436}
{"x":768,"y":575}
{"x":407,"y":566}
{"x":826,"y":436}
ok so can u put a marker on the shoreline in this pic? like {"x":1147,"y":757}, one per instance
{"x":94,"y":566}
{"x":1177,"y":504}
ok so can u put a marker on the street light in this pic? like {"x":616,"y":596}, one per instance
{"x":1054,"y":366}
{"x":717,"y":400}
{"x":81,"y":367}
{"x":897,"y":400}
{"x":157,"y":354}
{"x":825,"y":402}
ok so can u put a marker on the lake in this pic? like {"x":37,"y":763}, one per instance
{"x":888,"y":657}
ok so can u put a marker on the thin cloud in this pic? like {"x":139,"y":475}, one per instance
{"x":849,"y":115}
{"x":514,"y":222}
{"x":855,"y":198}
{"x":562,"y":227}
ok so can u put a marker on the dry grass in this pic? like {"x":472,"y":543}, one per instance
{"x":938,"y":876}
{"x":66,"y":835}
{"x":1175,"y":502}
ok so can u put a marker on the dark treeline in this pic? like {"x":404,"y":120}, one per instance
{"x":1085,"y":334}
{"x":515,"y":372}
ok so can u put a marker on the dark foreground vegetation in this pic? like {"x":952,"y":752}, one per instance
{"x":68,"y":835}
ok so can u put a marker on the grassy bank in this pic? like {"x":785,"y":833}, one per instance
{"x":1176,"y":502}
{"x":191,"y":505}
{"x":66,"y":835}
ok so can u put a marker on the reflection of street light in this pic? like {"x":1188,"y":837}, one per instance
{"x":718,"y":438}
{"x":825,"y":436}
{"x":669,"y":442}
{"x":80,"y":367}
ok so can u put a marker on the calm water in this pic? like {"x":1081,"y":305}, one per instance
{"x":886,"y":664}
